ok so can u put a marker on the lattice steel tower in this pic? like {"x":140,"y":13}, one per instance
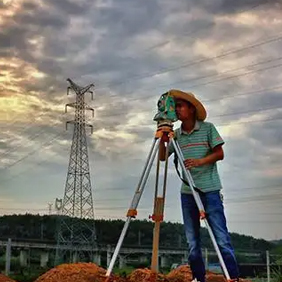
{"x":76,"y":236}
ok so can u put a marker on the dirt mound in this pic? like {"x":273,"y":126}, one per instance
{"x":145,"y":275}
{"x":213,"y":277}
{"x":4,"y":278}
{"x":82,"y":272}
{"x":90,"y":272}
{"x":183,"y":273}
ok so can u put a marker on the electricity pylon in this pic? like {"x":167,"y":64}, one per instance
{"x":76,"y":235}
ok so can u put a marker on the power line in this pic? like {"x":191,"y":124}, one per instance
{"x":26,"y":168}
{"x":196,"y":62}
{"x":32,"y":152}
{"x":276,"y":107}
{"x":243,"y":94}
{"x":217,"y":99}
{"x":220,"y":74}
{"x":212,"y":99}
{"x":257,"y":110}
{"x":199,"y":29}
{"x":219,"y":125}
{"x":235,"y":76}
{"x":156,"y":46}
{"x":36,"y":135}
{"x":31,"y":137}
{"x":212,"y":81}
{"x":251,"y":121}
{"x":250,"y":111}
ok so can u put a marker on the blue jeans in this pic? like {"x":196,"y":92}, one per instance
{"x":215,"y":215}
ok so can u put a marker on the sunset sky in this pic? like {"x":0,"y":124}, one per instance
{"x":228,"y":53}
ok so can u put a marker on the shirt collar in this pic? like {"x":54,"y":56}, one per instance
{"x":196,"y":127}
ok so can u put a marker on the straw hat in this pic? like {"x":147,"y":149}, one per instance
{"x":190,"y":97}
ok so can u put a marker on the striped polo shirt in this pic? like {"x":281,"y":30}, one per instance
{"x":195,"y":145}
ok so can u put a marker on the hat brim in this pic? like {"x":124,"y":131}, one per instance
{"x":187,"y":96}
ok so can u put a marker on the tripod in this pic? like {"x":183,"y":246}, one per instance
{"x":164,"y":134}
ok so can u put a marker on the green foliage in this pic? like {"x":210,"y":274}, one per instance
{"x":13,"y":264}
{"x":277,"y":249}
{"x":43,"y":228}
{"x":244,"y":242}
{"x":123,"y":272}
{"x":276,"y":274}
{"x":27,"y":274}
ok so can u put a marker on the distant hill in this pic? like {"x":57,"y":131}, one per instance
{"x":140,"y":232}
{"x":276,"y":242}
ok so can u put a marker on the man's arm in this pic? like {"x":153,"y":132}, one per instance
{"x":216,"y":155}
{"x":216,"y":143}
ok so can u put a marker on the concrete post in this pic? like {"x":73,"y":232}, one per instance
{"x":122,"y":261}
{"x":23,"y":258}
{"x":268,"y":266}
{"x":206,"y":258}
{"x":164,"y":261}
{"x":8,"y":257}
{"x":97,"y":259}
{"x":109,"y":253}
{"x":74,"y":257}
{"x":143,"y":259}
{"x":185,"y":258}
{"x":44,"y":258}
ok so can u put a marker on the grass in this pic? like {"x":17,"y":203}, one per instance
{"x":123,"y":272}
{"x":276,"y":274}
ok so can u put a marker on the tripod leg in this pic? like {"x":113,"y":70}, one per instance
{"x":158,"y":213}
{"x":132,"y":210}
{"x":156,"y":232}
{"x":200,"y":206}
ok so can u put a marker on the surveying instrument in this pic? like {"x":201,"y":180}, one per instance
{"x":164,"y":135}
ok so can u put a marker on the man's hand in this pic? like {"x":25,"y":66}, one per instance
{"x":190,"y":163}
{"x":216,"y":155}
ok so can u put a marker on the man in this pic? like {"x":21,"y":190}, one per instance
{"x":201,"y":146}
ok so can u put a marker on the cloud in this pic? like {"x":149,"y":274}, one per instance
{"x":69,"y":7}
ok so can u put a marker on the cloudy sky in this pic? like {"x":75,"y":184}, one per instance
{"x":228,"y":53}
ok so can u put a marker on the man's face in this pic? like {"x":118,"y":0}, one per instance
{"x":184,"y":110}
